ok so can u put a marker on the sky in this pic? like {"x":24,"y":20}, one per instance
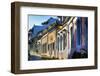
{"x":37,"y":20}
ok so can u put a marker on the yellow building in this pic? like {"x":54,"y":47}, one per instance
{"x":44,"y":44}
{"x":55,"y":41}
{"x":52,"y":43}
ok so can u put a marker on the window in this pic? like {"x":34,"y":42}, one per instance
{"x":44,"y":48}
{"x":48,"y":47}
{"x":71,"y":37}
{"x":64,"y":40}
{"x":53,"y":45}
{"x":60,"y":42}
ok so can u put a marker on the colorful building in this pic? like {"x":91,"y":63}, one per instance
{"x":65,"y":38}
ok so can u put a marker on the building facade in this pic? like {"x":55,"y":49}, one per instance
{"x":65,"y":40}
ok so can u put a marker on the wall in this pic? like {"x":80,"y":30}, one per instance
{"x":5,"y":35}
{"x":52,"y":37}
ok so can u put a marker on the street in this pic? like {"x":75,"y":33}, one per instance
{"x":34,"y":57}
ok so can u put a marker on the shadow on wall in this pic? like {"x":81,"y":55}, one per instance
{"x":81,"y":54}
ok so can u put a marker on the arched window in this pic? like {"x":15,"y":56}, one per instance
{"x":71,"y":37}
{"x":58,"y":43}
{"x":53,"y":45}
{"x":64,"y":40}
{"x":61,"y":43}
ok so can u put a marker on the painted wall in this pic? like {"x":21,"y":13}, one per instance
{"x":52,"y":37}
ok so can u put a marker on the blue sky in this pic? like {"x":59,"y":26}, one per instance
{"x":37,"y":20}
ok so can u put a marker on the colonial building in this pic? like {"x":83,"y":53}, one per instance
{"x":64,"y":38}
